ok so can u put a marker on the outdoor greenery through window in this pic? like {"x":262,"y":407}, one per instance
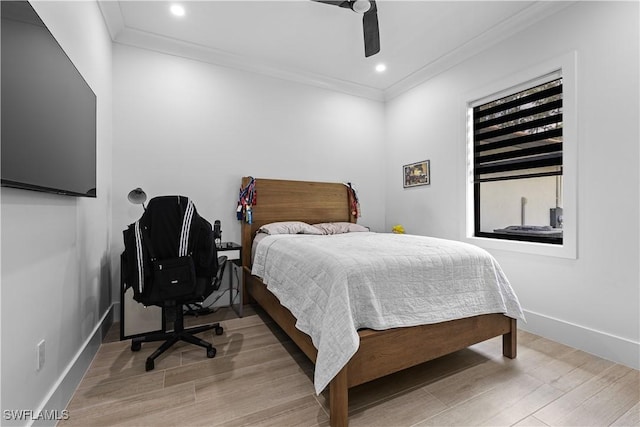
{"x":517,"y":147}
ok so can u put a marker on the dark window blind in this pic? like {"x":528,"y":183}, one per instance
{"x":520,"y":135}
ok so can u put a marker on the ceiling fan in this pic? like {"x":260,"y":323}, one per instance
{"x":369,"y":12}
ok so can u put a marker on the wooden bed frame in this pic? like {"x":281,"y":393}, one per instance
{"x":380,"y":352}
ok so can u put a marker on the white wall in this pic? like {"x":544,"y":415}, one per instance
{"x":591,"y":302}
{"x":55,"y":249}
{"x":188,"y":127}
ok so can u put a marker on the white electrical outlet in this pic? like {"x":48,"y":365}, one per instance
{"x":40,"y":355}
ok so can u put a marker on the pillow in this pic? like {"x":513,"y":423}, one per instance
{"x":339,"y":227}
{"x":289,"y":227}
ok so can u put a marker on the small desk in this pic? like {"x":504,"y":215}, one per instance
{"x":234,"y":265}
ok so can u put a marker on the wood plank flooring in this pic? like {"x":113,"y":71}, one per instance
{"x":260,"y":378}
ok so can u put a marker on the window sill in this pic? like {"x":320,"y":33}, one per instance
{"x":566,"y":250}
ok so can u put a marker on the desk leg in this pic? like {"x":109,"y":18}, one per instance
{"x":233,"y":270}
{"x":230,"y":268}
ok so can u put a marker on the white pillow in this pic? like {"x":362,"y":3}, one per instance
{"x":289,"y":227}
{"x":339,"y":227}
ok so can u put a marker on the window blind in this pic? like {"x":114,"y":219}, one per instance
{"x":520,"y":135}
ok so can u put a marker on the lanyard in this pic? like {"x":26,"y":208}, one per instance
{"x":355,"y":204}
{"x":247,"y":198}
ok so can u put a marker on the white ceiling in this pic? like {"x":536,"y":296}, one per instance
{"x":320,"y":44}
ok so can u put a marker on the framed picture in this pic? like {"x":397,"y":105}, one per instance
{"x":417,"y":174}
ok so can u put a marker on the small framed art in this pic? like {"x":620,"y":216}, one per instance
{"x":417,"y":174}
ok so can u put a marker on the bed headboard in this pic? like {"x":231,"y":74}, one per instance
{"x":284,"y":200}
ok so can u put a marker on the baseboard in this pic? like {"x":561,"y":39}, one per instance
{"x":60,"y":394}
{"x":616,"y":349}
{"x":116,"y":311}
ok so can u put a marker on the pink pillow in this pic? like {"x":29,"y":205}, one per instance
{"x":289,"y":227}
{"x":339,"y":227}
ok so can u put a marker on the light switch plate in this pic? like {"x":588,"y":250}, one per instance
{"x":40,"y":355}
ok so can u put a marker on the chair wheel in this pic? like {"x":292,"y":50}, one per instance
{"x":149,"y":365}
{"x":219,"y":330}
{"x":136,"y":345}
{"x":211,"y":352}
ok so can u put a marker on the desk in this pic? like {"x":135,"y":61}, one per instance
{"x":234,"y":265}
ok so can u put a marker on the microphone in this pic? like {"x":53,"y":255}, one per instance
{"x":217,"y":232}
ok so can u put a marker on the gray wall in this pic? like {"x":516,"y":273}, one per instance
{"x":55,"y":249}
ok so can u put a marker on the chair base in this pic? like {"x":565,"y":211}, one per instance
{"x":196,"y":309}
{"x":179,"y":333}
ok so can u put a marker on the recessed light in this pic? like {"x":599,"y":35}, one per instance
{"x":381,"y":68}
{"x":177,"y":10}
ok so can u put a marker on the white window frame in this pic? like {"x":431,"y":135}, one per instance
{"x":566,"y":67}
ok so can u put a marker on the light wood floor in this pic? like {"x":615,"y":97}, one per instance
{"x":259,"y":378}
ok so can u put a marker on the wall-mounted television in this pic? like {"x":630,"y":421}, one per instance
{"x":48,"y":137}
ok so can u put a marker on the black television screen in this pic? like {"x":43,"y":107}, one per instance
{"x":48,"y":110}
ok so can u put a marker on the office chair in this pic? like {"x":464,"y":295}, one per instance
{"x":170,"y":261}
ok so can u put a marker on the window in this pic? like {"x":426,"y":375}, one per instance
{"x":518,"y":163}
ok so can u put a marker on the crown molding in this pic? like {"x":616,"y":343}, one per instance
{"x":179,"y":48}
{"x":122,"y":34}
{"x":494,"y":35}
{"x":112,"y":17}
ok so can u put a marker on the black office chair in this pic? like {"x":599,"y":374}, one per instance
{"x":170,"y":261}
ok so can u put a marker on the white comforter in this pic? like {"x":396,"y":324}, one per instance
{"x":337,"y":284}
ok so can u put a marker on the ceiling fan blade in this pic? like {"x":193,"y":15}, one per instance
{"x":340,"y":3}
{"x":371,"y":31}
{"x":369,"y":23}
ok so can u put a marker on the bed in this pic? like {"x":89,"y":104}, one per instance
{"x":380,"y":352}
